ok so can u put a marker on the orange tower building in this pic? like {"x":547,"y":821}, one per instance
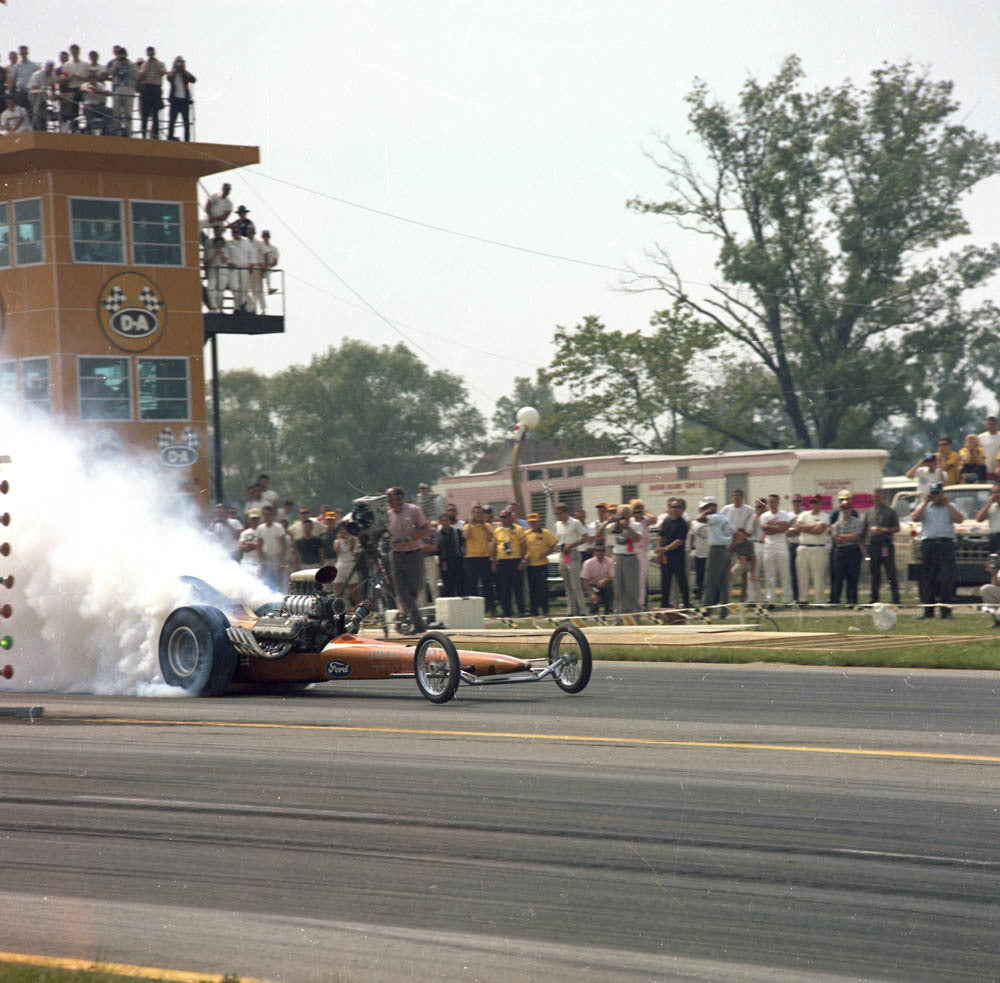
{"x":101,"y":319}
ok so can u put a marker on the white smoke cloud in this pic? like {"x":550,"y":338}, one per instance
{"x":97,"y":547}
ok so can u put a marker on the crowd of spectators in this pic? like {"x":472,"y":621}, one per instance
{"x":757,"y":550}
{"x":94,"y":96}
{"x":241,"y":264}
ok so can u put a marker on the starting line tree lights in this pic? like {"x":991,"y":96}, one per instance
{"x":6,"y":578}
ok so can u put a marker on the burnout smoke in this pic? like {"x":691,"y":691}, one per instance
{"x":97,"y":547}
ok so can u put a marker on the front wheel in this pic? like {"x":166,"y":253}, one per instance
{"x":435,"y":665}
{"x":195,"y":652}
{"x":570,"y":646}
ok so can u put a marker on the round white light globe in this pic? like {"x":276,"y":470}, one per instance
{"x":528,"y":417}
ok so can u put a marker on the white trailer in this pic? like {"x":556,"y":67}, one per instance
{"x":582,"y":482}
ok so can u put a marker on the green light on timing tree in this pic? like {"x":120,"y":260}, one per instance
{"x":6,"y":642}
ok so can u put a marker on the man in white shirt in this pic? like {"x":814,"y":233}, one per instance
{"x":720,"y":534}
{"x":217,"y":209}
{"x":268,"y":496}
{"x":14,"y":119}
{"x":19,"y":77}
{"x":75,"y":71}
{"x":249,"y":543}
{"x":774,"y":524}
{"x":241,"y":255}
{"x":570,"y":533}
{"x":698,"y":545}
{"x":624,"y":535}
{"x":741,"y":518}
{"x":41,"y":88}
{"x":226,"y":531}
{"x":811,"y":556}
{"x":926,"y":473}
{"x":269,"y":260}
{"x":273,"y":547}
{"x":989,"y":440}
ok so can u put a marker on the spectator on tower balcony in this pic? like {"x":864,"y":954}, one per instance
{"x":180,"y":80}
{"x":76,"y":71}
{"x":21,"y":77}
{"x":269,"y":260}
{"x":41,"y":88}
{"x":124,"y":79}
{"x":217,"y":209}
{"x":243,"y":225}
{"x":67,"y":102}
{"x":151,"y":72}
{"x":95,"y":108}
{"x":216,"y":270}
{"x":14,"y":119}
{"x":240,"y":255}
{"x":255,"y":280}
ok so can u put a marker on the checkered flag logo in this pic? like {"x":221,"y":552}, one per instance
{"x":190,"y":438}
{"x":165,"y":438}
{"x":149,"y":300}
{"x":115,"y":300}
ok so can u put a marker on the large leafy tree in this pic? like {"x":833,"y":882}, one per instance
{"x":668,"y":390}
{"x":354,"y":419}
{"x":831,"y":211}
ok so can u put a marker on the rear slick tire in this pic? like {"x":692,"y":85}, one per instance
{"x":195,"y":653}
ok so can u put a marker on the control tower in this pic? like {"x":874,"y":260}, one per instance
{"x":101,"y":317}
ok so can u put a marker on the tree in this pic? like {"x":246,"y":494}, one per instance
{"x":354,"y":419}
{"x":641,"y":392}
{"x":830,"y":210}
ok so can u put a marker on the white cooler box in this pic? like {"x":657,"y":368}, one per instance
{"x":460,"y":612}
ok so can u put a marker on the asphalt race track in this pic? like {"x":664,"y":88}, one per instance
{"x":673,"y":823}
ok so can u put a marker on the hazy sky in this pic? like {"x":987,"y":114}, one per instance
{"x":518,"y":122}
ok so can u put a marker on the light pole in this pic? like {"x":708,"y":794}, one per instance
{"x":527,"y":419}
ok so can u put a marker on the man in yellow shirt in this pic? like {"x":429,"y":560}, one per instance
{"x":947,"y":461}
{"x":509,"y":552}
{"x":539,"y":543}
{"x":477,"y":535}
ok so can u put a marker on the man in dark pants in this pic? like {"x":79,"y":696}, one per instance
{"x":673,"y":555}
{"x":477,"y":575}
{"x":720,"y":536}
{"x":846,"y":531}
{"x":449,"y":551}
{"x":408,"y":527}
{"x":937,"y":517}
{"x":509,"y":553}
{"x":881,"y":524}
{"x":539,"y":543}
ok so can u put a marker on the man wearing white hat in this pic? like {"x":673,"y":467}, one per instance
{"x":720,"y":536}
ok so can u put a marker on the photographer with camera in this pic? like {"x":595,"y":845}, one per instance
{"x":623,"y":534}
{"x":926,"y":472}
{"x":938,"y":568}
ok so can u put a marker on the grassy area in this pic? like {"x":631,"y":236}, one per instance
{"x":868,"y":646}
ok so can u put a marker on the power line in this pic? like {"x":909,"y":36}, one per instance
{"x":440,"y":228}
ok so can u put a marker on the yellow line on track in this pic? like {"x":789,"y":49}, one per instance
{"x":118,"y":969}
{"x":582,"y":738}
